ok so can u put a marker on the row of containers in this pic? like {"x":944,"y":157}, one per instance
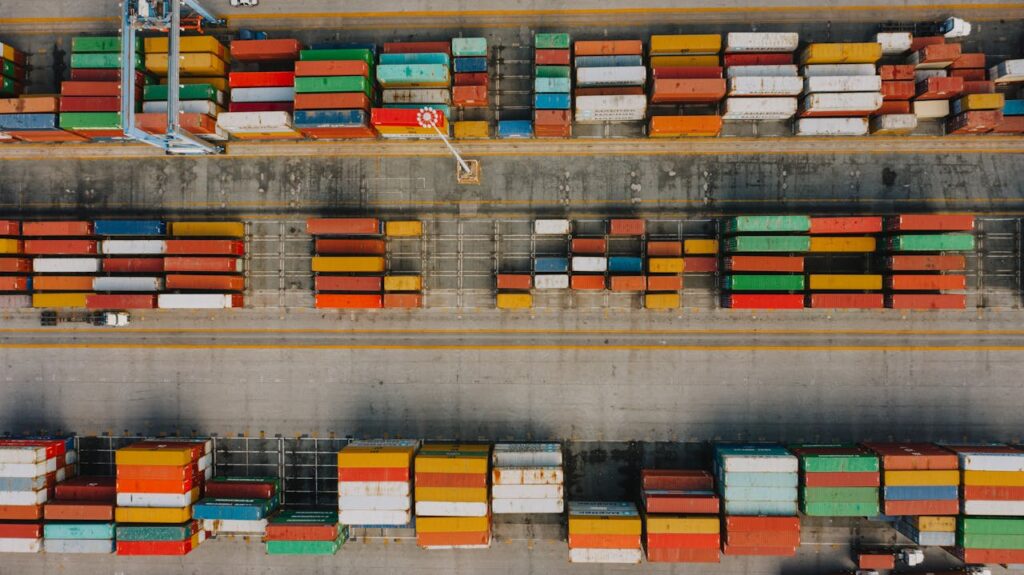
{"x":680,"y":85}
{"x":164,"y":499}
{"x":122,"y":264}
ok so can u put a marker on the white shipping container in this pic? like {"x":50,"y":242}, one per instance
{"x":253,"y":527}
{"x":611,"y":76}
{"x":1001,"y":508}
{"x":759,"y":108}
{"x":895,"y":42}
{"x":23,"y":497}
{"x":551,"y":227}
{"x":545,"y":475}
{"x":254,"y":121}
{"x":375,"y":502}
{"x":362,"y":517}
{"x":22,"y":454}
{"x":842,"y":102}
{"x":132,"y":247}
{"x":94,"y":546}
{"x":762,"y":42}
{"x":417,"y":96}
{"x":129,"y":499}
{"x":189,"y":106}
{"x":915,"y":60}
{"x":20,"y":545}
{"x":1007,"y":72}
{"x":218,"y":135}
{"x":22,"y":469}
{"x":922,"y":75}
{"x":761,"y":71}
{"x":842,"y":84}
{"x":527,"y":491}
{"x":551,"y":281}
{"x":206,"y":461}
{"x":760,"y":463}
{"x":277,"y":94}
{"x":373,"y":488}
{"x":194,"y":301}
{"x":931,"y":109}
{"x":527,"y":505}
{"x":124,"y":284}
{"x":766,"y":86}
{"x":812,"y":70}
{"x":51,"y":465}
{"x":15,"y":301}
{"x":893,"y":124}
{"x":991,"y":462}
{"x":527,"y":454}
{"x":589,"y":555}
{"x":832,"y":127}
{"x":66,"y":265}
{"x":70,"y":457}
{"x":451,"y":509}
{"x":589,"y":264}
{"x":611,"y":108}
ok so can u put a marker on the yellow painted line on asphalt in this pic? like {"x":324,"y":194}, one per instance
{"x":513,"y":331}
{"x":497,"y":347}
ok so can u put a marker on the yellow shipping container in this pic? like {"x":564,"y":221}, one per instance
{"x":842,"y":53}
{"x":407,"y":130}
{"x":603,"y":525}
{"x":668,"y":61}
{"x":472,"y":130}
{"x":403,"y":283}
{"x":59,"y":299}
{"x":192,"y":64}
{"x":931,"y":477}
{"x":153,"y":454}
{"x":208,"y":229}
{"x":661,"y":300}
{"x":7,"y":52}
{"x":452,"y":494}
{"x":972,"y":102}
{"x":686,"y":44}
{"x":452,"y":524}
{"x":665,"y":265}
{"x":699,"y":247}
{"x":187,"y":44}
{"x":404,"y":229}
{"x":371,"y":457}
{"x":934,"y":523}
{"x":442,"y":464}
{"x":515,"y":301}
{"x":152,"y":514}
{"x":8,"y":246}
{"x":994,"y":478}
{"x":845,"y":282}
{"x":348,"y":264}
{"x":669,"y":524}
{"x":218,"y":82}
{"x":833,"y":244}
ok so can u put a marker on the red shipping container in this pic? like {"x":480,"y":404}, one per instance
{"x":403,"y":300}
{"x":842,"y":479}
{"x":66,"y":510}
{"x":1010,"y":125}
{"x":792,"y":264}
{"x":765,"y":301}
{"x":552,"y":57}
{"x":560,"y":119}
{"x":212,"y":265}
{"x":10,"y":228}
{"x":927,"y":282}
{"x":471,"y":79}
{"x":927,"y":263}
{"x":627,"y":227}
{"x":969,"y":74}
{"x":349,"y":283}
{"x":373,"y":474}
{"x":54,"y":447}
{"x":939,"y":88}
{"x":558,"y":131}
{"x":702,"y":264}
{"x":665,"y":249}
{"x":87,"y":488}
{"x":343,"y":226}
{"x":684,"y":72}
{"x":431,"y":479}
{"x":399,"y":117}
{"x":91,"y":104}
{"x":628,"y":283}
{"x":120,"y":301}
{"x":45,"y":229}
{"x":21,"y":512}
{"x":348,"y":301}
{"x":205,"y":282}
{"x":937,"y":507}
{"x":417,"y":47}
{"x":901,"y":90}
{"x":260,"y":106}
{"x":60,"y":247}
{"x":239,"y":490}
{"x":979,"y":87}
{"x":196,"y":123}
{"x":976,"y":122}
{"x":339,"y":133}
{"x":154,"y":486}
{"x":21,"y":530}
{"x":848,"y":225}
{"x":990,"y":493}
{"x":587,"y":282}
{"x":15,"y":265}
{"x":470,"y":96}
{"x":936,"y":53}
{"x":450,"y":539}
{"x":728,"y":549}
{"x":588,"y":541}
{"x":332,"y":68}
{"x":680,"y":479}
{"x":765,"y":538}
{"x":893,"y":107}
{"x":969,"y":60}
{"x":698,"y":90}
{"x":109,"y":89}
{"x":515,"y":281}
{"x":991,"y":556}
{"x":683,"y":540}
{"x":152,"y":548}
{"x":610,"y":91}
{"x":103,"y":75}
{"x":658,"y":503}
{"x":265,"y":50}
{"x":891,"y":72}
{"x":664,"y":283}
{"x":932,"y":223}
{"x":927,"y":301}
{"x":43,"y":136}
{"x":919,"y":42}
{"x":334,"y":246}
{"x":301,"y":532}
{"x":133,"y":265}
{"x":205,"y":247}
{"x":608,"y":47}
{"x":876,"y":561}
{"x":741,"y":523}
{"x":677,"y":555}
{"x":846,"y":301}
{"x":594,"y":246}
{"x":755,"y":59}
{"x":914,"y":456}
{"x":261,"y":79}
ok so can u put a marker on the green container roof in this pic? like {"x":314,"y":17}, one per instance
{"x":401,"y":74}
{"x":101,"y":44}
{"x":933,"y":243}
{"x":324,"y":84}
{"x":154,"y":532}
{"x":185,"y":92}
{"x":462,"y":47}
{"x":763,"y":224}
{"x":767,"y":244}
{"x":839,"y":494}
{"x":824,"y":509}
{"x":308,"y":547}
{"x":554,"y":72}
{"x":106,"y":61}
{"x":990,"y":525}
{"x":551,"y":41}
{"x":764,"y":282}
{"x":90,"y":120}
{"x":990,"y":541}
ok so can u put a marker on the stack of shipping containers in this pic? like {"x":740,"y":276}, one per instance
{"x":470,"y":68}
{"x":552,"y":117}
{"x":762,"y":268}
{"x":935,"y":237}
{"x":334,"y":93}
{"x":64,"y":262}
{"x":204,"y":265}
{"x":90,"y":103}
{"x":934,"y":86}
{"x":840,"y":261}
{"x":29,"y":472}
{"x":610,"y":80}
{"x":686,"y":85}
{"x":1008,"y":77}
{"x":14,"y":267}
{"x":157,"y":483}
{"x":262,"y":90}
{"x":838,"y":480}
{"x":413,"y":76}
{"x":202,"y":89}
{"x":31,"y":118}
{"x":12,"y":71}
{"x":625,"y":255}
{"x":991,"y":526}
{"x":305,"y":532}
{"x":928,"y":530}
{"x":527,"y":478}
{"x":665,"y":266}
{"x":81,"y":517}
{"x":589,"y":263}
{"x":405,"y":289}
{"x":452,"y":496}
{"x":918,"y":479}
{"x":375,"y":482}
{"x":980,"y":105}
{"x":128,"y":286}
{"x":604,"y":532}
{"x":238,"y":505}
{"x":758,"y":485}
{"x":700,"y":255}
{"x":841,"y":88}
{"x":681,"y":516}
{"x":349,"y":262}
{"x":895,"y":116}
{"x":551,"y":268}
{"x":760,"y":63}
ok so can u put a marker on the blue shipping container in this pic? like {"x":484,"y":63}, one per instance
{"x":921,"y":493}
{"x":84,"y":530}
{"x":422,"y":58}
{"x":608,"y":61}
{"x":78,"y":546}
{"x":234,"y":509}
{"x":552,"y":85}
{"x":331,"y":118}
{"x":551,"y":265}
{"x":130,"y":227}
{"x":625,"y":264}
{"x":515,"y":129}
{"x":552,"y":101}
{"x":1013,"y":108}
{"x":470,"y":65}
{"x":15,"y":122}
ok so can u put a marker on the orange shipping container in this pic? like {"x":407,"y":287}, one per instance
{"x":515,"y":281}
{"x":665,"y":249}
{"x":914,"y":456}
{"x":62,"y":283}
{"x":13,"y":283}
{"x":699,"y":90}
{"x":350,"y":247}
{"x":265,"y":50}
{"x":205,"y":247}
{"x":898,"y":72}
{"x":697,"y":265}
{"x":927,"y":282}
{"x":78,"y":511}
{"x":158,"y":472}
{"x":927,"y":263}
{"x":664,"y":283}
{"x":670,"y":126}
{"x":587,"y":282}
{"x":343,"y":226}
{"x":21,"y":512}
{"x":155,"y":485}
{"x":56,"y":229}
{"x":348,"y":301}
{"x":628,"y":283}
{"x":470,"y":96}
{"x":205,"y":282}
{"x":202,"y":264}
{"x":595,"y":246}
{"x":609,"y":48}
{"x":331,"y":68}
{"x":627,"y":227}
{"x":332,"y":101}
{"x":403,"y":300}
{"x":893,"y":107}
{"x":15,"y":265}
{"x":42,"y":105}
{"x":10,"y":228}
{"x":156,"y":123}
{"x":60,"y":247}
{"x":790,"y":264}
{"x":560,"y":118}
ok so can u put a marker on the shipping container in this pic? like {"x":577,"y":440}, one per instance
{"x":935,"y":56}
{"x":759,"y":108}
{"x":843,"y":244}
{"x":763,"y":301}
{"x":927,"y":301}
{"x":845,"y":282}
{"x":794,"y":264}
{"x":477,"y":130}
{"x":325,"y":283}
{"x":608,"y":47}
{"x":763,"y":282}
{"x":514,"y":301}
{"x":757,"y":244}
{"x":842,"y":84}
{"x":223,"y":283}
{"x":846,"y":301}
{"x":762,"y":42}
{"x":551,"y":281}
{"x":843,"y":104}
{"x":758,"y":59}
{"x":613,"y":76}
{"x":44,"y":229}
{"x":841,"y":53}
{"x":120,"y":301}
{"x":610,"y":108}
{"x":895,"y":42}
{"x":765,"y":86}
{"x":586,"y":282}
{"x":205,"y":247}
{"x":816,"y":70}
{"x":926,"y":282}
{"x":708,"y":90}
{"x":344,"y":226}
{"x":514,"y":281}
{"x":761,"y":71}
{"x":203,"y":264}
{"x":199,"y":301}
{"x":832,"y":126}
{"x":893,"y":124}
{"x":348,"y":264}
{"x":931,"y":109}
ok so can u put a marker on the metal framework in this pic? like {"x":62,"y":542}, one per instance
{"x":159,"y":15}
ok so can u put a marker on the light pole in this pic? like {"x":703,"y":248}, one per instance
{"x":468,"y":172}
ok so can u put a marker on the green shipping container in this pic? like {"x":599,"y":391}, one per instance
{"x":400,"y":75}
{"x":554,"y":72}
{"x":319,"y":84}
{"x":9,"y":69}
{"x":308,"y":547}
{"x":764,"y":282}
{"x":825,"y":509}
{"x":990,"y":541}
{"x":7,"y":86}
{"x":551,"y":41}
{"x":761,"y":224}
{"x":156,"y":532}
{"x":106,"y":61}
{"x":83,"y":530}
{"x":363,"y":54}
{"x":90,"y":120}
{"x":81,"y":44}
{"x":838,"y":463}
{"x":990,"y":525}
{"x":764,"y":244}
{"x":185,"y":92}
{"x":933,"y":243}
{"x":469,"y":46}
{"x":839,"y":494}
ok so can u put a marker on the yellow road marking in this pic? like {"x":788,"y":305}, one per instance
{"x":484,"y":347}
